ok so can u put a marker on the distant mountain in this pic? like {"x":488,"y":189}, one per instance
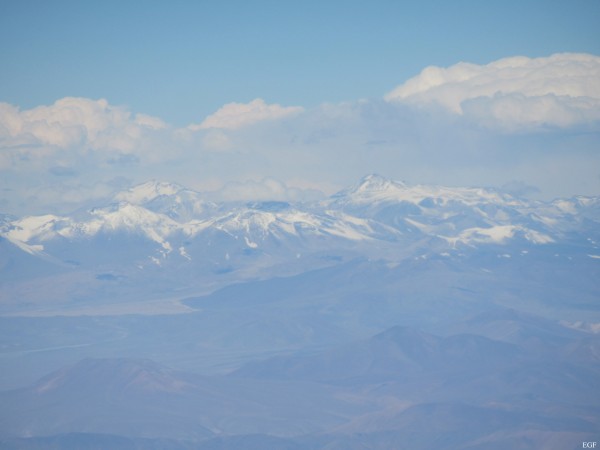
{"x":101,"y":396}
{"x":94,"y":441}
{"x":142,"y":399}
{"x":174,"y":224}
{"x":170,"y":199}
{"x":159,"y":235}
{"x":399,"y":353}
{"x":399,"y":387}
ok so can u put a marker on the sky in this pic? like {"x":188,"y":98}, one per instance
{"x":293,"y":100}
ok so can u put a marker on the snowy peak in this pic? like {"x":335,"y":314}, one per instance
{"x":146,"y":192}
{"x":371,"y":187}
{"x":130,"y":217}
{"x":35,"y":227}
{"x":172,"y":200}
{"x":377,"y":183}
{"x":32,"y":233}
{"x":374,"y":190}
{"x":580,"y":205}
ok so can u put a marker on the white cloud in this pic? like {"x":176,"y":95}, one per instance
{"x":70,"y":121}
{"x":67,"y":152}
{"x":145,"y":120}
{"x":216,"y":140}
{"x":560,"y":90}
{"x":237,"y":115}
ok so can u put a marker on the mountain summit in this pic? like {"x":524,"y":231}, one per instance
{"x":146,"y":192}
{"x":376,"y":182}
{"x":370,"y":187}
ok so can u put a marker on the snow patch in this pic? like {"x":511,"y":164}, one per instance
{"x":185,"y":254}
{"x":34,"y":227}
{"x":589,"y":327}
{"x":29,"y":248}
{"x":249,"y":243}
{"x":498,"y":234}
{"x":566,"y":206}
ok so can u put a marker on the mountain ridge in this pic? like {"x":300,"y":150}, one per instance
{"x":466,"y":215}
{"x":172,"y":236}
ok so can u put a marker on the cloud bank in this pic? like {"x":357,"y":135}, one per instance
{"x":75,"y":121}
{"x":72,"y":125}
{"x":517,"y":121}
{"x":561,"y":90}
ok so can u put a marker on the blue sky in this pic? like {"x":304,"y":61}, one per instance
{"x":331,"y":63}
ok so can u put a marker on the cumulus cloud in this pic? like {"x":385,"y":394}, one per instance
{"x":74,"y":121}
{"x":73,"y":132}
{"x":237,"y":115}
{"x":151,"y":122}
{"x":560,"y":90}
{"x":216,"y":140}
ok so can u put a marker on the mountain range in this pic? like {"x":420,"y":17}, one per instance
{"x":158,"y":225}
{"x":173,"y":219}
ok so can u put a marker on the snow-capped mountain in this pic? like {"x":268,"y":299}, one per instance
{"x":466,"y":215}
{"x":170,"y":199}
{"x":376,"y":209}
{"x":159,"y":223}
{"x":374,"y":190}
